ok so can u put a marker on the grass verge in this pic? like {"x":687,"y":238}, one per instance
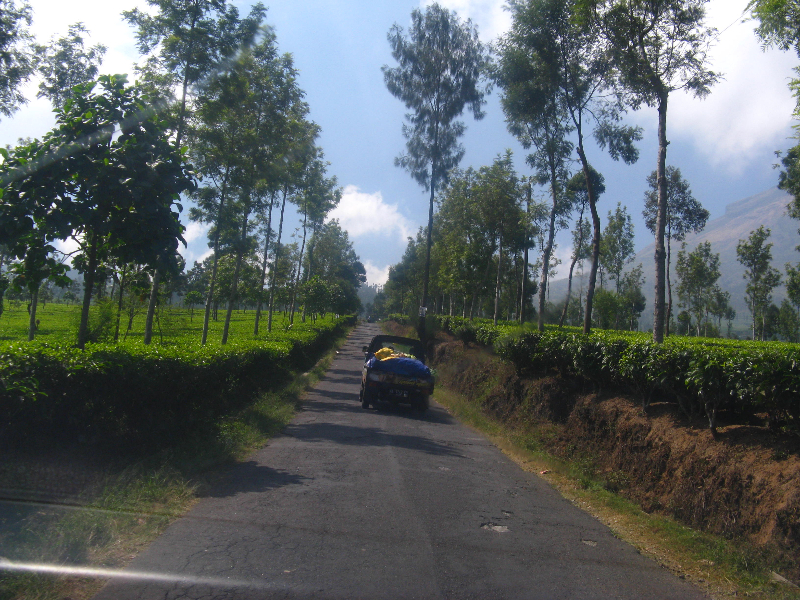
{"x":724,"y":569}
{"x":132,"y":502}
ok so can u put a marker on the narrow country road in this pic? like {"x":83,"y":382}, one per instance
{"x":350,"y":503}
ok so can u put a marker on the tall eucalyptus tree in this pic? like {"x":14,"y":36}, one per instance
{"x":66,"y":63}
{"x":317,"y":196}
{"x":657,"y":47}
{"x":18,"y":57}
{"x":441,"y":67}
{"x":581,"y":249}
{"x":556,"y":75}
{"x":300,"y":150}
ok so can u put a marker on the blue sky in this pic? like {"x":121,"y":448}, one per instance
{"x":724,"y":144}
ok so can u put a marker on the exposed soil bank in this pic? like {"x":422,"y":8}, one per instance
{"x":745,"y":485}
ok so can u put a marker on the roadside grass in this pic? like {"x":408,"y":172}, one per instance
{"x":140,"y":497}
{"x":723,"y":568}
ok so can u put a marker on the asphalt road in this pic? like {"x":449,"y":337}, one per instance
{"x":352,"y":503}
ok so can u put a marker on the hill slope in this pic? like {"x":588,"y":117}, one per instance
{"x":767,"y":208}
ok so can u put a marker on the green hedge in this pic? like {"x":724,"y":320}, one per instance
{"x":135,"y":394}
{"x":701,"y":375}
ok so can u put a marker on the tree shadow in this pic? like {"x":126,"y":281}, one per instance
{"x":350,"y":435}
{"x":252,"y":477}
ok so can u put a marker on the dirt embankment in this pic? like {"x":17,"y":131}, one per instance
{"x":746,"y":484}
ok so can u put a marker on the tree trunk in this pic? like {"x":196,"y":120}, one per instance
{"x":497,"y":282}
{"x":119,"y":304}
{"x":88,"y":284}
{"x":299,"y":267}
{"x":235,"y":285}
{"x":214,"y":265}
{"x":32,"y":320}
{"x":669,"y":282}
{"x":572,"y":269}
{"x":525,"y":261}
{"x":661,"y":219}
{"x":424,"y":303}
{"x":264,"y":263}
{"x":273,"y":275}
{"x":151,"y":307}
{"x":547,"y":250}
{"x":587,"y":317}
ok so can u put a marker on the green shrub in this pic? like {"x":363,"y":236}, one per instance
{"x":128,"y":395}
{"x":701,"y":375}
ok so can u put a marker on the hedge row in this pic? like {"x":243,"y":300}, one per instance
{"x":701,"y":375}
{"x":136,"y":394}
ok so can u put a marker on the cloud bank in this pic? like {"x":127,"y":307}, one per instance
{"x":750,"y":111}
{"x":376,"y":275}
{"x":363,"y":215}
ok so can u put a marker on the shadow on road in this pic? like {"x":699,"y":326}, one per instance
{"x":252,"y":477}
{"x":367,"y":436}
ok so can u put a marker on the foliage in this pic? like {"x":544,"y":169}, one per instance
{"x":616,"y":245}
{"x":657,"y":47}
{"x":66,"y":64}
{"x":698,"y":271}
{"x":556,"y":78}
{"x":17,"y":57}
{"x":703,"y":376}
{"x":755,"y":254}
{"x":131,"y":394}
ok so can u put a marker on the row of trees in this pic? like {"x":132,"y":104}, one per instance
{"x":217,"y":115}
{"x":567,"y":69}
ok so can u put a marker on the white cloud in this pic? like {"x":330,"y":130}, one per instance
{"x":362,"y":214}
{"x":489,"y":16}
{"x":195,"y":231}
{"x":376,"y":275}
{"x":746,"y":114}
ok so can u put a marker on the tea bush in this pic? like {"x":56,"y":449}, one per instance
{"x":132,"y":394}
{"x":701,"y":375}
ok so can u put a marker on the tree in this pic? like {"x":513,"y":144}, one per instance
{"x":498,"y":193}
{"x":616,"y":249}
{"x":684,"y":215}
{"x":66,"y":64}
{"x":657,"y":47}
{"x":789,"y":322}
{"x":317,"y":196}
{"x":755,"y":255}
{"x":126,"y":180}
{"x":187,"y":42}
{"x":17,"y":54}
{"x":631,"y":298}
{"x":441,"y":65}
{"x":581,"y":234}
{"x":339,"y":267}
{"x":30,"y":187}
{"x":698,"y":272}
{"x":556,"y":78}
